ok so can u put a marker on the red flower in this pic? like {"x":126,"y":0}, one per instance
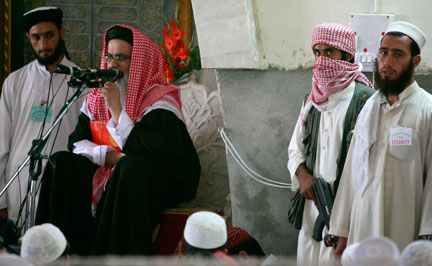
{"x":173,"y":23}
{"x":169,"y":75}
{"x":177,"y":50}
{"x":183,"y":54}
{"x":175,"y":57}
{"x":174,"y":52}
{"x":180,"y":44}
{"x":176,"y":33}
{"x":170,"y":43}
{"x":165,"y":31}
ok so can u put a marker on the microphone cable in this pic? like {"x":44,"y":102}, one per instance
{"x":49,"y":104}
{"x":38,"y":136}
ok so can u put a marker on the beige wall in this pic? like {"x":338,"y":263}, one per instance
{"x":284,"y":27}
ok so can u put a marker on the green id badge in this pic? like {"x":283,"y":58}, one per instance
{"x":38,"y":114}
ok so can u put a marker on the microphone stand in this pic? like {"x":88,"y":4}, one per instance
{"x":35,"y":152}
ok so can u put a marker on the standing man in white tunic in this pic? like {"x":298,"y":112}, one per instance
{"x":338,"y":89}
{"x":27,"y":96}
{"x":386,"y":186}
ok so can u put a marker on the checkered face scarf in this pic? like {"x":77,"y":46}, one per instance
{"x":146,"y":86}
{"x":331,"y":76}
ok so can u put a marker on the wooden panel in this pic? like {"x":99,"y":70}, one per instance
{"x":5,"y":37}
{"x":185,"y":19}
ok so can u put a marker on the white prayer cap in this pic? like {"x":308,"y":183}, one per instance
{"x":12,"y":260}
{"x":408,"y":29}
{"x":42,"y":244}
{"x":346,"y":259}
{"x":206,"y":230}
{"x":418,"y":253}
{"x":372,"y":251}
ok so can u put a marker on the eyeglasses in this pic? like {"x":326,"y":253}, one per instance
{"x":119,"y":59}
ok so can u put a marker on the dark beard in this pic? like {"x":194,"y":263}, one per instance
{"x":394,"y":87}
{"x":54,"y":57}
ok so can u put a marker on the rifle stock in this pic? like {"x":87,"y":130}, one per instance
{"x":318,"y":228}
{"x":325,"y":198}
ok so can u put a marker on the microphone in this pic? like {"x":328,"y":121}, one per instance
{"x":109,"y":74}
{"x":66,"y":70}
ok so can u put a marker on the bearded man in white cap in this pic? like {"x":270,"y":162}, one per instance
{"x":386,"y":186}
{"x":321,"y":137}
{"x":31,"y":98}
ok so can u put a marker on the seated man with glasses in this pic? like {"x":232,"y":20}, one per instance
{"x":131,"y":156}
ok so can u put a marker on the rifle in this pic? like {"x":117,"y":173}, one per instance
{"x":325,"y":198}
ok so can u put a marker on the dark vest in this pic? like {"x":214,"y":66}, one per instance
{"x":310,"y":139}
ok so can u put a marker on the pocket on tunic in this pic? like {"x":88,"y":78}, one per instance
{"x":406,"y":152}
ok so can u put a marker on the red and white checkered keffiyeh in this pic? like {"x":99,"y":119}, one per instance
{"x":146,"y":86}
{"x":336,"y":35}
{"x":331,"y":76}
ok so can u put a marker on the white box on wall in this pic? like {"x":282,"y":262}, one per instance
{"x":226,"y":33}
{"x":370,"y":28}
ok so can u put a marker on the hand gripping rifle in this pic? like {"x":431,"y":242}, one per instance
{"x":325,"y":198}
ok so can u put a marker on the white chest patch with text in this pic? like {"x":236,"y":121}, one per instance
{"x":400,"y":136}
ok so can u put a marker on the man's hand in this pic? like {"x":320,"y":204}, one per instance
{"x":111,"y":95}
{"x":341,"y":245}
{"x":3,"y":213}
{"x":112,"y":157}
{"x":305,"y":180}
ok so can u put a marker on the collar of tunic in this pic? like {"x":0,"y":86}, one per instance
{"x":336,"y":98}
{"x":405,"y":94}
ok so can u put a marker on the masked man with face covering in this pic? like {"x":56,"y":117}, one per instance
{"x":386,"y":186}
{"x":321,"y":137}
{"x":131,"y":156}
{"x":28,"y":102}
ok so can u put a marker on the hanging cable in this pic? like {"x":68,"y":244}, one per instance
{"x":257,"y":177}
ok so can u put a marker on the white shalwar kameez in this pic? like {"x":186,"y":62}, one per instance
{"x":24,"y":91}
{"x":396,"y":201}
{"x":310,"y":251}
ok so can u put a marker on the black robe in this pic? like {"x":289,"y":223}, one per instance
{"x":161,"y":168}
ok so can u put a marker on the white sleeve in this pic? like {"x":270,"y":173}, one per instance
{"x":5,"y":136}
{"x":96,"y":153}
{"x":341,"y":213}
{"x":426,"y":211}
{"x":124,"y":127}
{"x":296,"y":153}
